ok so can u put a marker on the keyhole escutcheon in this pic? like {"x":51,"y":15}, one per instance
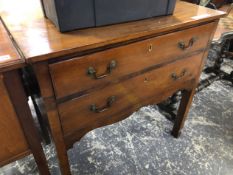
{"x":150,"y":48}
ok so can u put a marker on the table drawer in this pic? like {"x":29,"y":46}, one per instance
{"x":96,"y":108}
{"x":85,"y":73}
{"x":13,"y":141}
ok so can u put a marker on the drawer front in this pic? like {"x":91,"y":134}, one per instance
{"x":96,"y":108}
{"x":13,"y":142}
{"x":81,"y":74}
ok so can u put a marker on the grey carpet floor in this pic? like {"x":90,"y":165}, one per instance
{"x":142,"y":144}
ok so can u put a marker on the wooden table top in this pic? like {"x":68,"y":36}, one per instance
{"x":39,"y":40}
{"x":9,"y":57}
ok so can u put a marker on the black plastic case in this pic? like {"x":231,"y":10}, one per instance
{"x":69,"y":15}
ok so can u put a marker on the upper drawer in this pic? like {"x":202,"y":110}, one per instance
{"x":87,"y":72}
{"x":98,"y":107}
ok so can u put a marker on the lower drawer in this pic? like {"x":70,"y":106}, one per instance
{"x":97,"y":108}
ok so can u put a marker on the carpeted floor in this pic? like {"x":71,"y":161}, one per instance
{"x":142,"y":144}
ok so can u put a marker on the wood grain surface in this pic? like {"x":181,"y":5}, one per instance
{"x":39,"y":40}
{"x":11,"y":133}
{"x":76,"y":114}
{"x":9,"y":57}
{"x":71,"y":76}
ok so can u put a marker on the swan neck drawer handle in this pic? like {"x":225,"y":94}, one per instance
{"x":109,"y":103}
{"x":183,"y":46}
{"x":175,"y":77}
{"x":93,"y":73}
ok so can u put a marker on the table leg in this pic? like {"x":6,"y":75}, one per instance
{"x":186,"y":101}
{"x":19,"y":100}
{"x":43,"y":77}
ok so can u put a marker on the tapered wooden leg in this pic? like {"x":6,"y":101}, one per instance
{"x":59,"y":142}
{"x":186,"y":101}
{"x":19,"y":100}
{"x":187,"y":96}
{"x":47,"y":93}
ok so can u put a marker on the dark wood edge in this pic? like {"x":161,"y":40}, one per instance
{"x":11,"y":65}
{"x":19,"y":100}
{"x":17,"y":157}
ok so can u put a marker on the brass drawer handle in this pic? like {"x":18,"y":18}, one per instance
{"x":93,"y":73}
{"x":175,"y":77}
{"x":109,"y":103}
{"x":183,"y":46}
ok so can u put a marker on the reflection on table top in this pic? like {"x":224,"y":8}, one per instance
{"x":9,"y":57}
{"x":39,"y":40}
